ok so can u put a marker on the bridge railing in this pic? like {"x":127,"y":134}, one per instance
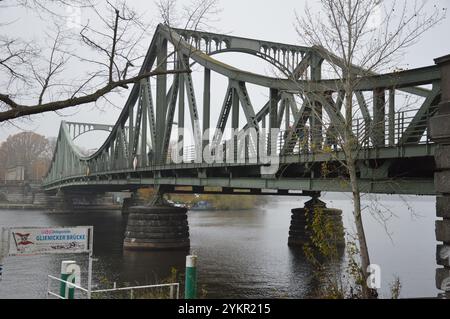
{"x":302,"y":143}
{"x":393,"y":136}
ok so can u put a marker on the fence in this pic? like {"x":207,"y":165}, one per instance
{"x":174,"y":289}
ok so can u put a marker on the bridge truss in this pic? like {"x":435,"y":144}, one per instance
{"x":297,"y":124}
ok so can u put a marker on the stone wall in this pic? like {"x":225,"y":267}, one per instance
{"x":33,"y":196}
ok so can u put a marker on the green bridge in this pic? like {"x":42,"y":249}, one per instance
{"x":287,"y":146}
{"x":395,"y":153}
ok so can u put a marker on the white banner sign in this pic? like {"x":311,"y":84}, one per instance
{"x":48,"y":240}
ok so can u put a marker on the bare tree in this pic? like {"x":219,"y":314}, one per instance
{"x":26,"y":149}
{"x":344,"y":34}
{"x":107,"y":50}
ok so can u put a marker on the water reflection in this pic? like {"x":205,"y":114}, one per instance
{"x":242,"y":254}
{"x":151,"y":267}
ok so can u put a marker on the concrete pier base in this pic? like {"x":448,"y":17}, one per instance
{"x":157,"y":228}
{"x":302,"y":219}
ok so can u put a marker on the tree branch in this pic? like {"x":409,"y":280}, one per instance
{"x":18,"y":110}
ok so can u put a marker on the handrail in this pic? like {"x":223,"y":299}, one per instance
{"x":131,"y":289}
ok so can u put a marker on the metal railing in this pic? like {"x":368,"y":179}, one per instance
{"x":306,"y":141}
{"x":70,"y":285}
{"x":174,"y":289}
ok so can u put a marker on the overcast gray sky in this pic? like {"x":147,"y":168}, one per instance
{"x":269,"y":20}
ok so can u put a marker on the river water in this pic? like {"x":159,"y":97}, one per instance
{"x":241,"y":254}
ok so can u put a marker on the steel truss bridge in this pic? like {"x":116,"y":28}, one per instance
{"x":304,"y":108}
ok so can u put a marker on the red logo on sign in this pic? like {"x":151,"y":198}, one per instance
{"x":23,"y":239}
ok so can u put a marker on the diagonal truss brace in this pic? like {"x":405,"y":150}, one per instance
{"x":246,"y":104}
{"x":194,"y":114}
{"x":148,"y":100}
{"x":418,"y":124}
{"x":223,"y":117}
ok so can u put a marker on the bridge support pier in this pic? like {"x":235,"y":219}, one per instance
{"x":59,"y":202}
{"x":440,"y":134}
{"x":315,"y":211}
{"x":132,"y":201}
{"x":158,"y":227}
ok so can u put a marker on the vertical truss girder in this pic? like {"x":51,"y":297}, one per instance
{"x":391,"y":117}
{"x":316,"y":114}
{"x":206,"y":106}
{"x":181,"y":109}
{"x":170,"y":116}
{"x":379,"y":117}
{"x":273,"y":120}
{"x":161,"y":97}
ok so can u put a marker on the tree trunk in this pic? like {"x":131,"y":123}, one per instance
{"x":364,"y":252}
{"x":350,"y":145}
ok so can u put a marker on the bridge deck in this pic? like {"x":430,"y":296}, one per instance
{"x":396,"y":170}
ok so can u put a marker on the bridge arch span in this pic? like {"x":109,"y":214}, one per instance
{"x":138,"y":146}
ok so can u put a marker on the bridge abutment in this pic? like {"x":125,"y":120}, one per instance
{"x":440,"y":134}
{"x":68,"y":202}
{"x":157,"y":228}
{"x":307,"y":221}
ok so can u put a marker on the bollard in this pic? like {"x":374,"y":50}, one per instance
{"x":190,"y":291}
{"x":1,"y":270}
{"x":65,"y":273}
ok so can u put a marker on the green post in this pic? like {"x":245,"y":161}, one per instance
{"x":65,"y":273}
{"x":190,"y":291}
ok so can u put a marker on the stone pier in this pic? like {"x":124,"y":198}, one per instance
{"x":159,"y":227}
{"x":302,"y":219}
{"x":440,"y":134}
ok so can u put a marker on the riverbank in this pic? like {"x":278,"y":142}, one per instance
{"x":16,"y":206}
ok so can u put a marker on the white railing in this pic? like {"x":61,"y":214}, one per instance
{"x":69,"y":285}
{"x":174,"y":289}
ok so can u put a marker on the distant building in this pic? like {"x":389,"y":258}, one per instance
{"x":16,"y":173}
